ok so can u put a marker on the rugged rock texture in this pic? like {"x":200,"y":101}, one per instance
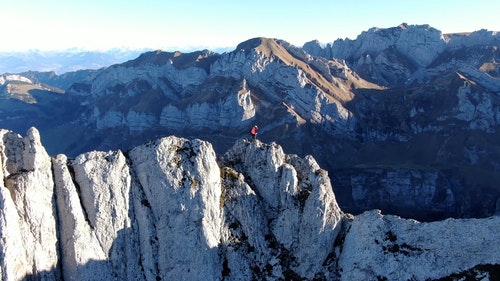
{"x":439,"y":116}
{"x":291,"y":198}
{"x":194,"y":92}
{"x":170,"y":210}
{"x":379,"y":247}
{"x":406,"y":53}
{"x":29,"y":242}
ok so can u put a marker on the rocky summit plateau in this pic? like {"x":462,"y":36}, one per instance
{"x":171,"y":209}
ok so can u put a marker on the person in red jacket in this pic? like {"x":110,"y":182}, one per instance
{"x":253,"y":131}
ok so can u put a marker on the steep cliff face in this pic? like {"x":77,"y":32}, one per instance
{"x":28,"y":230}
{"x":282,"y":193}
{"x":439,"y":115}
{"x":170,"y":210}
{"x":419,"y":194}
{"x":408,"y":53}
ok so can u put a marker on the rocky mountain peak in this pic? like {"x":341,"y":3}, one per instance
{"x":421,"y":44}
{"x":169,"y":210}
{"x":177,"y":59}
{"x":404,"y":51}
{"x":28,"y":225}
{"x":252,"y":43}
{"x":267,"y":46}
{"x":332,"y":77}
{"x":403,"y":25}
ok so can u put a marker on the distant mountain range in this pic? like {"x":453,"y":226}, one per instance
{"x":405,"y":119}
{"x":62,"y":61}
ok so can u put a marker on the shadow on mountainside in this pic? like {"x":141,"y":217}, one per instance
{"x":475,"y":273}
{"x":426,"y":165}
{"x":137,"y":252}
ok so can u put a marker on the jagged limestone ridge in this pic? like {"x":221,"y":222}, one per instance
{"x":169,"y":210}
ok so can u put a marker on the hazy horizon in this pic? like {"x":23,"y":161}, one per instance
{"x":188,"y":25}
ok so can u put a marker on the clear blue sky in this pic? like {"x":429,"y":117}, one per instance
{"x":187,"y":25}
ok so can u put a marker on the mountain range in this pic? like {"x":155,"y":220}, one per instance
{"x":62,"y":61}
{"x":404,"y":119}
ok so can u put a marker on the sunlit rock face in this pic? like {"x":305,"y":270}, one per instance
{"x":28,"y":220}
{"x":291,"y":197}
{"x":170,"y":209}
{"x":390,"y":248}
{"x":409,"y":53}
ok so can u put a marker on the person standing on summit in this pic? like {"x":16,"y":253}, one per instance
{"x":253,"y":132}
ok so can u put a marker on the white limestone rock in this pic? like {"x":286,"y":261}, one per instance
{"x":28,"y":213}
{"x":104,"y":183}
{"x":206,"y":94}
{"x":477,"y":108}
{"x":296,"y":196}
{"x":181,"y":183}
{"x":315,"y":48}
{"x":244,"y":239}
{"x":479,"y":37}
{"x":320,"y":221}
{"x":391,"y":248}
{"x":141,"y":121}
{"x":485,"y":80}
{"x":280,"y":81}
{"x":110,"y":119}
{"x":419,"y":43}
{"x":82,"y":257}
{"x":152,"y":73}
{"x":166,"y":209}
{"x":14,"y":264}
{"x":411,"y":53}
{"x":232,"y":111}
{"x":11,"y":153}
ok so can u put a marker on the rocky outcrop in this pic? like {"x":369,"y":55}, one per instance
{"x":403,"y":54}
{"x":29,"y":242}
{"x":286,"y":193}
{"x":234,"y":110}
{"x":420,"y":43}
{"x":379,"y":247}
{"x":170,"y":210}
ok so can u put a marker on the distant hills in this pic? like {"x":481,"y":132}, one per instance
{"x":69,"y":60}
{"x":62,"y":61}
